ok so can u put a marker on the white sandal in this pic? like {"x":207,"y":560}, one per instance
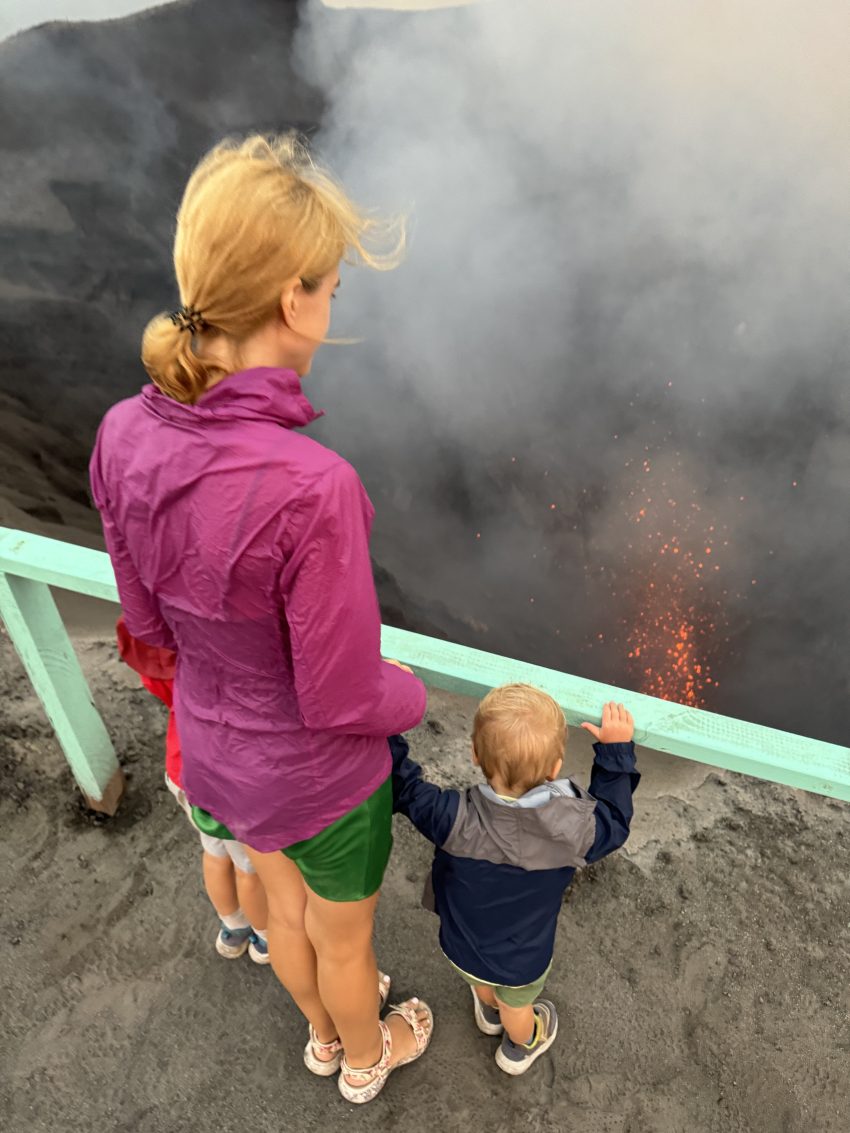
{"x":325,"y":1067}
{"x":372,"y":1080}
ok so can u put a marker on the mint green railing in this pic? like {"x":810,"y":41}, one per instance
{"x":31,"y":564}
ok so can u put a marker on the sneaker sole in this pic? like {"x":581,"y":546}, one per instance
{"x":517,"y":1068}
{"x":230,"y":951}
{"x":481,"y":1023}
{"x":258,"y":957}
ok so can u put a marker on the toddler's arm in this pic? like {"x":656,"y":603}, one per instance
{"x":613,"y":779}
{"x":431,"y":809}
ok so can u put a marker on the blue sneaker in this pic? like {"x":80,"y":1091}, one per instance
{"x":516,"y":1058}
{"x":258,"y":949}
{"x":232,"y":943}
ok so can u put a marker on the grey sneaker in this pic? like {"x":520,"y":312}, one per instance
{"x":516,"y":1058}
{"x":487,"y":1019}
{"x":232,"y":943}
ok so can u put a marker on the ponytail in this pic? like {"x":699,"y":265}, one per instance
{"x":168,"y":355}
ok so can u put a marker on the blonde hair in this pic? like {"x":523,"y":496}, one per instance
{"x":254,"y":214}
{"x":519,"y":734}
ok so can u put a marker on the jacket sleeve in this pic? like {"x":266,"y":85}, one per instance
{"x":431,"y":809}
{"x":331,"y":609}
{"x":141,"y":610}
{"x":147,"y":660}
{"x":613,"y":781}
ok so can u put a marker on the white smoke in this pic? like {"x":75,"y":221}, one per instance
{"x":629,"y":221}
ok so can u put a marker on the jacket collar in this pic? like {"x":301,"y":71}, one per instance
{"x":264,"y":393}
{"x":536,"y":797}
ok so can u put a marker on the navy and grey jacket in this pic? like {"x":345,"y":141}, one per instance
{"x":501,"y":868}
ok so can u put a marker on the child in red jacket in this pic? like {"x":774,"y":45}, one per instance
{"x":235,"y":891}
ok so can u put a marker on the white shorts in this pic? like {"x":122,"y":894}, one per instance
{"x":217,"y":847}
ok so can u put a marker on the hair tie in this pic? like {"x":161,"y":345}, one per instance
{"x":187,"y":318}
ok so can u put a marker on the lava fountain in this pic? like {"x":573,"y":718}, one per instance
{"x":677,"y":556}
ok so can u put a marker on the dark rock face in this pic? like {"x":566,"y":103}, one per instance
{"x":99,"y":126}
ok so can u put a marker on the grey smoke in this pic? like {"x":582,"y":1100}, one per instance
{"x":629,"y":220}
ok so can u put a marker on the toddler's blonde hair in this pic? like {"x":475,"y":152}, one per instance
{"x":254,"y":214}
{"x":519,"y":734}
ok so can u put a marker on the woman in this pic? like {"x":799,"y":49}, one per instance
{"x":243,"y":545}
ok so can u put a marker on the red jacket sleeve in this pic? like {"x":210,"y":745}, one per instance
{"x":334,"y":622}
{"x":149,"y":661}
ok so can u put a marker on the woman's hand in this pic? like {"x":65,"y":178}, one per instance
{"x":398,"y":665}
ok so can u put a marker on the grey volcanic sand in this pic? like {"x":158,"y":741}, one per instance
{"x":701,"y":976}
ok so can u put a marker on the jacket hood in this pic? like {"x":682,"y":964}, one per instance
{"x":548,"y":828}
{"x":264,"y":393}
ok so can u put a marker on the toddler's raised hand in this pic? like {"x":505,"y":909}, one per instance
{"x":618,"y":727}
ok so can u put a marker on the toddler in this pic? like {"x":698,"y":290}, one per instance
{"x":507,"y":849}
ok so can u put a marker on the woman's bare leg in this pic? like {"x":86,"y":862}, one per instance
{"x":341,"y":933}
{"x":347,"y":974}
{"x":317,"y":943}
{"x":293,"y":957}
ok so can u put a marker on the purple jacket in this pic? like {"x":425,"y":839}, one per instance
{"x":245,"y":546}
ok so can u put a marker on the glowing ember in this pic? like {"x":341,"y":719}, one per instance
{"x":678,"y":622}
{"x":667,"y":647}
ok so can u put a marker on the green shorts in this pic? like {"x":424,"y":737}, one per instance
{"x":522,"y":996}
{"x":345,"y":861}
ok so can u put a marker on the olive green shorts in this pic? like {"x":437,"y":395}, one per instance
{"x":345,"y":861}
{"x":522,"y":996}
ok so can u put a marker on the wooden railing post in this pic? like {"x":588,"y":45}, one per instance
{"x":39,"y":635}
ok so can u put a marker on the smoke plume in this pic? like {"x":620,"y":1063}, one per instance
{"x":603,"y":406}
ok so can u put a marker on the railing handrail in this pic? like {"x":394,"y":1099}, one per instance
{"x":66,"y":565}
{"x":692,"y":733}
